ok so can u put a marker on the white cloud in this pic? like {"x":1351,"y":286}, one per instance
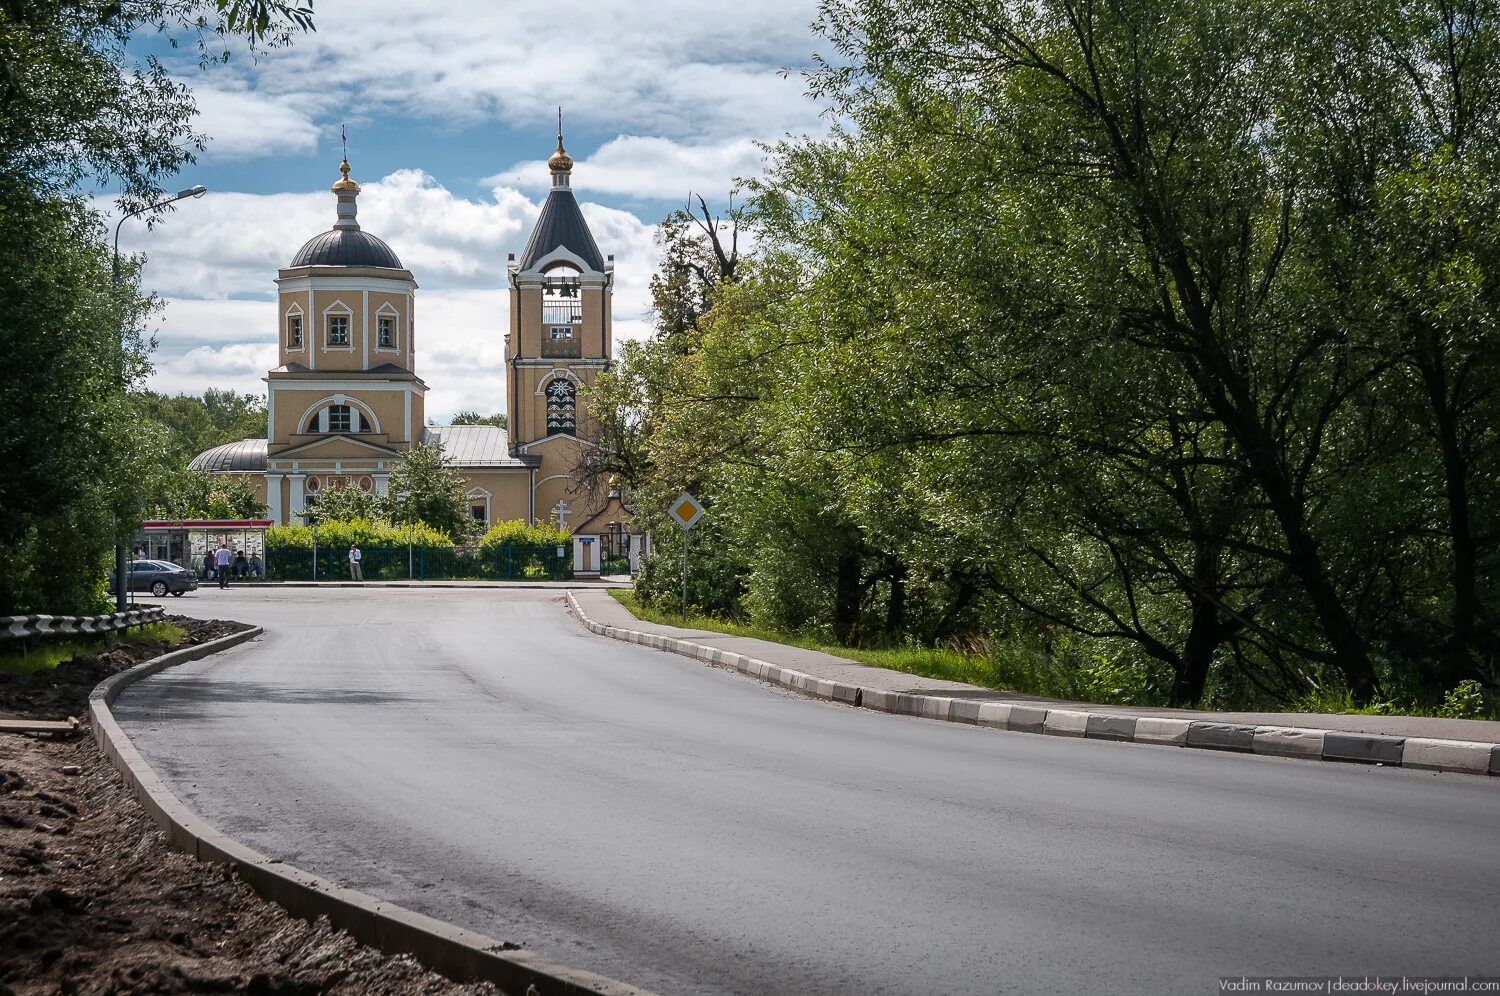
{"x":245,"y":124}
{"x":638,"y":166}
{"x":233,"y":244}
{"x":685,"y":69}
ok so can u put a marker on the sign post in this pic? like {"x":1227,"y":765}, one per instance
{"x":685,"y":511}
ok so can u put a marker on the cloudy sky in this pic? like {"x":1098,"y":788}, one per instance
{"x":450,"y":110}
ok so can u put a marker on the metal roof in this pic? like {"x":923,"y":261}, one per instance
{"x":346,"y":248}
{"x":474,"y":445}
{"x":247,"y":455}
{"x":561,"y":224}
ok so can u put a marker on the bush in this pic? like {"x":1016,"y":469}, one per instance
{"x":363,"y":532}
{"x":517,"y":532}
{"x":1466,"y":701}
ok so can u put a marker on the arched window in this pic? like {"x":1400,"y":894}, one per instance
{"x":562,"y":407}
{"x":339,"y":418}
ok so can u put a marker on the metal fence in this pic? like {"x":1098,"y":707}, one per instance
{"x":400,"y":563}
{"x":22,"y":627}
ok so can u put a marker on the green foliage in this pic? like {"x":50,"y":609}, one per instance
{"x":78,"y":108}
{"x":1164,"y":346}
{"x":190,"y":424}
{"x":517,"y":532}
{"x":361,"y":532}
{"x":197,"y":494}
{"x":474,"y":418}
{"x":424,"y":488}
{"x":67,"y":441}
{"x":345,"y":504}
{"x":44,"y":655}
{"x":1466,"y":701}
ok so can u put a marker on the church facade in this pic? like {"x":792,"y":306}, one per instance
{"x":345,"y":399}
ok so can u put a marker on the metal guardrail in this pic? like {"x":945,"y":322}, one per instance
{"x":20,"y":627}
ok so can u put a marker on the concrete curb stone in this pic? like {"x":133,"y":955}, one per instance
{"x":1281,"y":741}
{"x":1285,"y":741}
{"x":1362,"y":748}
{"x":454,"y":952}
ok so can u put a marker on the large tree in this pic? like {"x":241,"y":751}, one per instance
{"x":76,"y":106}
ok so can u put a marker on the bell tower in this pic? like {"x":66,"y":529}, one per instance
{"x":560,"y":335}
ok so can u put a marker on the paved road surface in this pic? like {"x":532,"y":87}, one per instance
{"x":478,"y":756}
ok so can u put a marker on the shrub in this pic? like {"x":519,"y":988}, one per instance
{"x":1466,"y":701}
{"x":364,"y":532}
{"x":517,"y":532}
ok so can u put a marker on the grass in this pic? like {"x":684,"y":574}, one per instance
{"x":48,"y":653}
{"x":928,"y":662}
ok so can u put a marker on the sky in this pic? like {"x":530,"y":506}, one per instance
{"x":450,"y":110}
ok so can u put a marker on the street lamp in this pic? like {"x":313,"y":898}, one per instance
{"x":122,"y":586}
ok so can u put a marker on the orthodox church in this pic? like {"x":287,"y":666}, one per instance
{"x":345,"y":400}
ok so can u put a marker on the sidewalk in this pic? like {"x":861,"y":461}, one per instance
{"x":1236,"y":730}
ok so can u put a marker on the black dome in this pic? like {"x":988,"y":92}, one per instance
{"x":346,"y":248}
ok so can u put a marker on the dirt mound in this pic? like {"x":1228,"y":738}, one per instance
{"x":64,"y":690}
{"x":92,"y":901}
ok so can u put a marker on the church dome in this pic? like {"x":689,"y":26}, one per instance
{"x":346,"y":247}
{"x":245,"y":456}
{"x":346,"y":244}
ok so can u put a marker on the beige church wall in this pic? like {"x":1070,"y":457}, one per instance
{"x":529,"y":332}
{"x":399,"y":303}
{"x":509,"y":491}
{"x":591,"y":307}
{"x":388,"y":407}
{"x":339,"y":358}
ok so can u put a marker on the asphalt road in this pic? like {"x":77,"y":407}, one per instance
{"x":478,"y":756}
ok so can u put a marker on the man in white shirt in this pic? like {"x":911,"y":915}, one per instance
{"x":222,"y":557}
{"x":355,"y":574}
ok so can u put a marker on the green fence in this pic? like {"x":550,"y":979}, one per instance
{"x":399,"y":563}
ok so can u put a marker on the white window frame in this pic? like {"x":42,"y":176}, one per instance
{"x":295,"y":311}
{"x":337,"y":309}
{"x":383,"y":312}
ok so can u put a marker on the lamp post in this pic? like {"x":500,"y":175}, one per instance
{"x":122,"y":585}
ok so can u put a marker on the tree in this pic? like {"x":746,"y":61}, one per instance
{"x":474,"y":418}
{"x":197,"y":494}
{"x":76,"y":107}
{"x":425,"y":489}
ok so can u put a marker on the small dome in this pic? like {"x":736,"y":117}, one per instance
{"x":560,"y":162}
{"x":346,"y":247}
{"x":247,"y":455}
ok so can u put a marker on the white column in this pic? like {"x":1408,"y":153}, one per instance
{"x":273,"y":498}
{"x":295,"y":501}
{"x":382,"y":484}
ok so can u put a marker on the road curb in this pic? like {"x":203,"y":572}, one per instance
{"x":458,"y":954}
{"x":1466,"y":757}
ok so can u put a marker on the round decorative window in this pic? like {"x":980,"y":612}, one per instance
{"x":367,"y":484}
{"x":313,"y":484}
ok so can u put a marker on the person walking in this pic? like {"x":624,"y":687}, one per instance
{"x":355,"y":572}
{"x":208,"y":565}
{"x":221,"y":563}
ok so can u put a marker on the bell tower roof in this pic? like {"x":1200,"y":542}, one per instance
{"x":561,"y":224}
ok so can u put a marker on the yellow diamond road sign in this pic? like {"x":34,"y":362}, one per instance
{"x":686,"y":510}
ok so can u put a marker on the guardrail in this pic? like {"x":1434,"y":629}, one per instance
{"x":21,"y":627}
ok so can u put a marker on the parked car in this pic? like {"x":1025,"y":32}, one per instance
{"x":159,"y":578}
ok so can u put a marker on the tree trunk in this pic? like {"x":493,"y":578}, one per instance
{"x":846,"y":598}
{"x":1228,"y":395}
{"x":895,"y":609}
{"x":1205,"y":633}
{"x":1460,"y":661}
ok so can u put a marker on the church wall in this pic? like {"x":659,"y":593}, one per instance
{"x":592,"y":312}
{"x":388,"y":406}
{"x":529,"y":331}
{"x":510,"y":490}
